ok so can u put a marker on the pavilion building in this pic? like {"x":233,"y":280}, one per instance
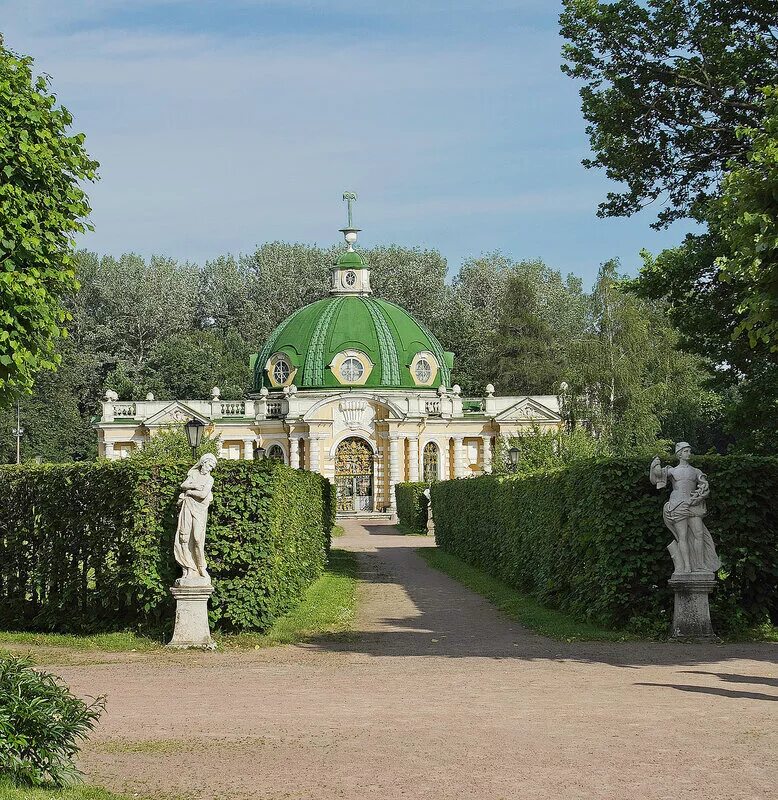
{"x":352,"y":387}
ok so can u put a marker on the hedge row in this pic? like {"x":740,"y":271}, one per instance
{"x":589,"y":538}
{"x":90,"y":546}
{"x":411,"y":506}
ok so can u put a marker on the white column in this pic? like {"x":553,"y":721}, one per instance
{"x":459,"y":457}
{"x":294,"y":452}
{"x":109,"y":451}
{"x":248,"y":449}
{"x":313,"y":447}
{"x":413,"y":459}
{"x":486,"y":463}
{"x":445,"y":466}
{"x":394,"y":467}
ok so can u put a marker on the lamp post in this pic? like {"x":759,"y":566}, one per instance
{"x":259,"y":454}
{"x":513,"y":458}
{"x":18,"y":432}
{"x":194,"y":434}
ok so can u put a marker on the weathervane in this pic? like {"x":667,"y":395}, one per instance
{"x":350,"y":232}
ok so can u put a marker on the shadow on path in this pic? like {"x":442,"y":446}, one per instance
{"x":714,"y":690}
{"x":410,"y":609}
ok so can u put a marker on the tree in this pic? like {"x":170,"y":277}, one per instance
{"x":745,"y":217}
{"x":42,"y":207}
{"x":628,"y":382}
{"x":667,"y":85}
{"x":528,"y":357}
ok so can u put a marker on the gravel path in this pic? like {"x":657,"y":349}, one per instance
{"x":436,"y":695}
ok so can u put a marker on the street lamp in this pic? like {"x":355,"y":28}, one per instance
{"x":259,"y":453}
{"x":18,"y":432}
{"x":194,"y":434}
{"x":513,"y":457}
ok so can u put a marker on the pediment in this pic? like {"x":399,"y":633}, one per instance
{"x":176,"y":413}
{"x":528,"y":410}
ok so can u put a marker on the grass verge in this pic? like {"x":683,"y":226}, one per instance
{"x":521,"y":607}
{"x":10,"y":792}
{"x":328,"y":607}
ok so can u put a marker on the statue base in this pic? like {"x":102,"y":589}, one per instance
{"x":430,"y":526}
{"x":691,"y":612}
{"x":192,"y":629}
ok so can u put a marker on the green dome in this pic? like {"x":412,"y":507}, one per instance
{"x":314,"y":336}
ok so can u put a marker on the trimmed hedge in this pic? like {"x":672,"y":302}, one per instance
{"x":87,"y":547}
{"x":589,"y":538}
{"x":411,"y":506}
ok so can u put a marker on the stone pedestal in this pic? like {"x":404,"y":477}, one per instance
{"x":430,"y":524}
{"x":192,"y":629}
{"x":691,"y":613}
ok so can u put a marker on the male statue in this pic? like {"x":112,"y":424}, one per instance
{"x":692,"y":549}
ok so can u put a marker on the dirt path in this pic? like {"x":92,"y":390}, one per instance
{"x":436,"y":695}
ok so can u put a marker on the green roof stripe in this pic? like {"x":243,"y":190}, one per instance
{"x":390,"y":364}
{"x":313,"y":373}
{"x":269,"y":348}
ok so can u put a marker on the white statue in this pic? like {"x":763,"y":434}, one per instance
{"x":430,"y":520}
{"x":189,"y":546}
{"x":693,"y":549}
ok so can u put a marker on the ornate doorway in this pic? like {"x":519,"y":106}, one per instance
{"x":354,"y":475}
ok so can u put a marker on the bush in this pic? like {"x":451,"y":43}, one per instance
{"x":412,"y":506}
{"x":41,"y":723}
{"x":589,"y":538}
{"x":87,"y":547}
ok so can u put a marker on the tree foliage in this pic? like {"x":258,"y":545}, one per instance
{"x":42,"y":207}
{"x":745,"y":217}
{"x":667,"y":84}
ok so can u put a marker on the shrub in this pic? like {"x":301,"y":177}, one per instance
{"x":87,"y":547}
{"x":41,"y":723}
{"x":412,"y":506}
{"x":589,"y":538}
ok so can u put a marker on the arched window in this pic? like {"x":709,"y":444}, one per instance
{"x":423,"y":371}
{"x":281,"y":371}
{"x":351,"y":370}
{"x":431,"y":462}
{"x":276,"y":453}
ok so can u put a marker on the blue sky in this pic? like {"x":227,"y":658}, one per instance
{"x":222,"y":124}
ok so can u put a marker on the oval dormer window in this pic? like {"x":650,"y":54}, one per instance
{"x":350,"y":278}
{"x":351,"y":370}
{"x":423,"y":371}
{"x":281,"y":371}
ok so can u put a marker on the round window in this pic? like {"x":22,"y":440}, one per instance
{"x":281,"y":371}
{"x":350,"y":278}
{"x":351,"y":370}
{"x":423,"y":371}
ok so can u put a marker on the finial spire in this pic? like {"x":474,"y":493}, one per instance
{"x":350,"y":232}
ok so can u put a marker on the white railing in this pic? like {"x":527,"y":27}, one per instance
{"x":432,"y":407}
{"x":124,"y":410}
{"x":233,"y":409}
{"x":274,"y":408}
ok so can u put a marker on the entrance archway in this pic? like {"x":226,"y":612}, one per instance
{"x":354,"y":475}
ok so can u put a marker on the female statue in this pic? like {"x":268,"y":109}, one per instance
{"x":693,"y":549}
{"x":189,"y":546}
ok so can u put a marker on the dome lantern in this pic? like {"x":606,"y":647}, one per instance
{"x":350,"y":274}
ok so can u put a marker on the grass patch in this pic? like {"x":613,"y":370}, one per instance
{"x":520,"y":607}
{"x":120,"y":642}
{"x":760,"y":633}
{"x":10,"y":792}
{"x":152,"y":747}
{"x":328,"y":607}
{"x":406,"y":531}
{"x":337,"y":532}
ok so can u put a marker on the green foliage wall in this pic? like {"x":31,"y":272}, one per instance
{"x":89,"y":546}
{"x":412,"y":506}
{"x":589,"y":538}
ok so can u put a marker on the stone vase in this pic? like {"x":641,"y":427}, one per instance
{"x":691,"y":611}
